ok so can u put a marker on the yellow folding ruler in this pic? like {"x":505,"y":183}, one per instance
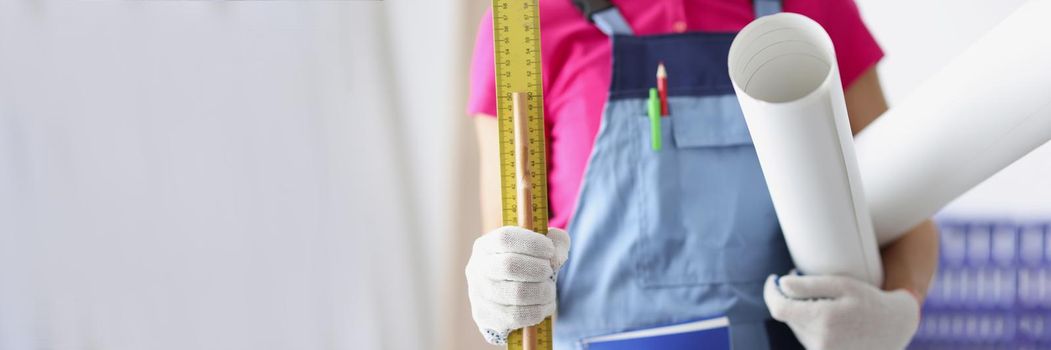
{"x":520,"y":112}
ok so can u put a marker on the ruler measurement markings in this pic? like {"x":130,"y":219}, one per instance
{"x":516,"y":40}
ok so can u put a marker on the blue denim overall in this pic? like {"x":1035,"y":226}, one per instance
{"x":680,"y":234}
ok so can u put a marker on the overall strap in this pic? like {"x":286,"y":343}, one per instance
{"x":766,"y":7}
{"x":605,"y":15}
{"x":609,"y":20}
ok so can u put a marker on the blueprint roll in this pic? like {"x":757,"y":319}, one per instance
{"x":783,"y":68}
{"x":984,"y":110}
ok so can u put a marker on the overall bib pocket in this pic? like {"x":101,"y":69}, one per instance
{"x":706,"y":215}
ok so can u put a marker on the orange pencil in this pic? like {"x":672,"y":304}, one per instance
{"x":662,"y":87}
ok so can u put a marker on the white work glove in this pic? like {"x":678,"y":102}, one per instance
{"x":837,"y":313}
{"x":511,"y":279}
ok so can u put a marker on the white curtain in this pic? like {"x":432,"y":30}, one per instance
{"x":235,"y":175}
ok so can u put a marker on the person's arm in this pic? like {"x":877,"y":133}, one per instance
{"x":909,"y":262}
{"x":489,"y":171}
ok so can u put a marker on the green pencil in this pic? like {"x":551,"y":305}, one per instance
{"x":654,"y":105}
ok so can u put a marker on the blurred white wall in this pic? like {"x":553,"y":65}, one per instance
{"x":235,"y":175}
{"x":919,"y":37}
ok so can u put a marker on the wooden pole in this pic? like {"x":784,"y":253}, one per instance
{"x":520,"y":106}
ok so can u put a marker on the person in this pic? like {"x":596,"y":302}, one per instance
{"x":688,"y":232}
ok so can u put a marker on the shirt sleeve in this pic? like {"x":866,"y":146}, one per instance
{"x":856,"y":48}
{"x":481,"y":98}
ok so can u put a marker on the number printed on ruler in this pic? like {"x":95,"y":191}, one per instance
{"x":516,"y":42}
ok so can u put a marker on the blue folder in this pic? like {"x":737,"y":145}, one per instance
{"x":709,"y":334}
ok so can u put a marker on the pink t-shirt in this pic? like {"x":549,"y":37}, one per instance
{"x":576,"y":67}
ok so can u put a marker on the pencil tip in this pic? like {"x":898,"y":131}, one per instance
{"x":660,"y":69}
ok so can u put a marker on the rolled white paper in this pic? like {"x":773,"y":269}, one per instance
{"x":783,"y":68}
{"x":989,"y":107}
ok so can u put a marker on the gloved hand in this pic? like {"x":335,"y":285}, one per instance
{"x":835,"y":313}
{"x":511,"y":279}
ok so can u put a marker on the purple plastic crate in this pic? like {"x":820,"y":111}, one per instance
{"x":993,"y":287}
